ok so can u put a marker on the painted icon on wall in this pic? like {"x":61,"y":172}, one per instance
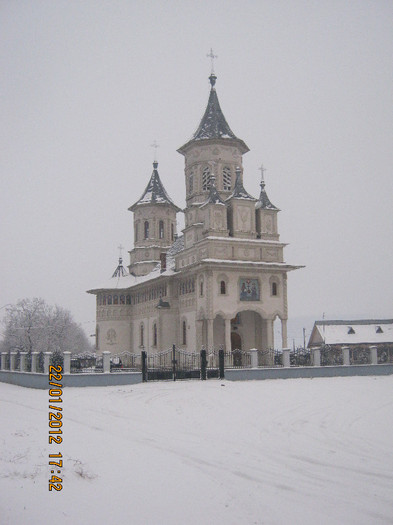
{"x":249,"y":290}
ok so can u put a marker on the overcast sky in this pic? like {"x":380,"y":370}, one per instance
{"x":87,"y":86}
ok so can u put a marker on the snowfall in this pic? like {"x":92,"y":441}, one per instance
{"x":294,"y":451}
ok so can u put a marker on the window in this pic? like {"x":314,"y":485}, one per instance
{"x":141,"y":335}
{"x":222,"y":288}
{"x":115,"y":299}
{"x":378,"y":330}
{"x":191,"y":183}
{"x":161,"y":229}
{"x":128,"y":299}
{"x":201,"y":288}
{"x":184,"y":333}
{"x":122,"y":299}
{"x":109,"y":299}
{"x":146,"y":229}
{"x":206,"y":179}
{"x":104,"y":299}
{"x":136,"y":232}
{"x":226,"y":178}
{"x":172,"y":232}
{"x":351,"y":330}
{"x":274,"y":288}
{"x":154,"y":334}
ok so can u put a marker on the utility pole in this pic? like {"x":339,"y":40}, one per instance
{"x":304,"y":338}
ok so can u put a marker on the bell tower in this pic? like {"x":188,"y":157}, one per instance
{"x":154,"y":225}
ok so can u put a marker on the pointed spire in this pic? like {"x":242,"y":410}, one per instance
{"x":120,"y":270}
{"x":238,"y":191}
{"x":214,"y":197}
{"x":154,"y":192}
{"x":264,"y":201}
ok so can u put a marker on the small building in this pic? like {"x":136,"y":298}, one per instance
{"x":378,"y":332}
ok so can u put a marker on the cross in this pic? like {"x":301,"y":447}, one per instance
{"x":212,"y":56}
{"x":262,"y":170}
{"x":120,"y":248}
{"x":155,"y":146}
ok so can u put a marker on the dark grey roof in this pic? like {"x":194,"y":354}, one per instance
{"x":213,"y":124}
{"x":155,"y":192}
{"x":264,"y":201}
{"x":214,"y":197}
{"x":238,"y":191}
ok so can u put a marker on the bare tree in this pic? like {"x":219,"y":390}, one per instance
{"x":34,"y":326}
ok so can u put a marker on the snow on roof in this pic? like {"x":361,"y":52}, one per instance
{"x":238,"y":191}
{"x":264,"y":201}
{"x":154,"y":192}
{"x":352,"y":332}
{"x":124,"y":282}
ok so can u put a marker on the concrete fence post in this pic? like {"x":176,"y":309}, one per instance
{"x":373,"y":355}
{"x":316,"y":356}
{"x":34,"y":362}
{"x":106,"y":362}
{"x":66,"y":362}
{"x":254,"y":357}
{"x":12,"y":360}
{"x":22,"y":366}
{"x":47,"y":356}
{"x":345,"y":350}
{"x":286,"y":357}
{"x":3,"y":358}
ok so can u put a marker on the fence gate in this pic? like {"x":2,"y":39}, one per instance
{"x":171,"y":364}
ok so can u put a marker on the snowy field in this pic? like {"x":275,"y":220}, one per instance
{"x":295,"y":451}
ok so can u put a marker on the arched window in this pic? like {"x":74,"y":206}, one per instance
{"x":206,"y":179}
{"x":201,"y":288}
{"x":184,"y":330}
{"x":104,"y":299}
{"x":128,"y":299}
{"x":172,"y":232}
{"x":222,"y":288}
{"x":154,"y":334}
{"x":274,"y":288}
{"x":142,"y":328}
{"x":226,"y":178}
{"x":122,"y":299}
{"x":161,"y":229}
{"x":115,"y":299}
{"x":109,"y":299}
{"x":146,"y":229}
{"x":191,"y":183}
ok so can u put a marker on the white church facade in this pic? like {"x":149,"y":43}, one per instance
{"x":220,"y":284}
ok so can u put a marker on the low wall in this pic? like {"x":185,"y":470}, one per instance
{"x":244,"y":374}
{"x":31,"y":380}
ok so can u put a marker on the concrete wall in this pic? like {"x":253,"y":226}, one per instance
{"x":312,"y":371}
{"x":30,"y":380}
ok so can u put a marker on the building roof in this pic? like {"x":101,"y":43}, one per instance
{"x":155,"y":192}
{"x":367,"y":331}
{"x":264,"y":201}
{"x":213,"y":124}
{"x":238,"y":191}
{"x":214,"y":197}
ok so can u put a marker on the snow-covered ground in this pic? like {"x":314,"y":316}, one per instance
{"x":302,"y":451}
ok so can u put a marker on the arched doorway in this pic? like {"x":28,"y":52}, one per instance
{"x":236,"y":345}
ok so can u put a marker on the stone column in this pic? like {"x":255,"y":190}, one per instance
{"x":66,"y":362}
{"x":12,"y":360}
{"x":286,"y":357}
{"x":106,"y":362}
{"x":47,"y":356}
{"x":3,"y":358}
{"x":284,"y":333}
{"x":345,"y":351}
{"x":254,"y":358}
{"x":317,"y":356}
{"x":210,"y":336}
{"x":228,"y":335}
{"x":373,"y":355}
{"x":34,"y":362}
{"x":22,"y":367}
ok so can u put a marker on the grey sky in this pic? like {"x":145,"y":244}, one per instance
{"x":87,"y":86}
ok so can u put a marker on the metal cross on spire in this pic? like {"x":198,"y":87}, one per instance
{"x":212,"y":56}
{"x":155,"y":146}
{"x":262,"y":170}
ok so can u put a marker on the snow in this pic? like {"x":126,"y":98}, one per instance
{"x":363,"y":333}
{"x":259,"y":452}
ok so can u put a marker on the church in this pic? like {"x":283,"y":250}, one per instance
{"x":223,"y":282}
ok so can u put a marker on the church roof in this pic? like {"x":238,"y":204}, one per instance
{"x":155,"y":192}
{"x":238,"y":191}
{"x":264,"y":201}
{"x":365,"y":331}
{"x":213,"y":124}
{"x":214,"y":197}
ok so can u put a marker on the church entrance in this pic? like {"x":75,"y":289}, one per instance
{"x":236,"y":345}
